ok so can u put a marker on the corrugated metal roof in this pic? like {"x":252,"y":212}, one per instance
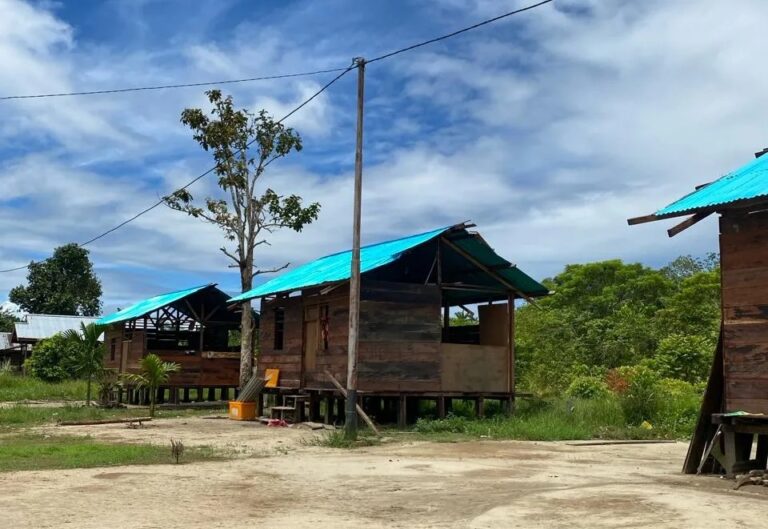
{"x":150,"y":305}
{"x":39,"y":326}
{"x":5,"y":340}
{"x":746,"y":182}
{"x":337,"y":267}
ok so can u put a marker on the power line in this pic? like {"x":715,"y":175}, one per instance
{"x":271,"y":77}
{"x":459,"y":32}
{"x":299,"y":107}
{"x":167,"y":86}
{"x":202,"y":175}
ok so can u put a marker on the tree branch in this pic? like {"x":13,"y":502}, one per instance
{"x":259,"y":272}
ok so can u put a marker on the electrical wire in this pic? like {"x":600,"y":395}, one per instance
{"x":168,"y":86}
{"x":343,"y":71}
{"x":202,"y":175}
{"x":458,"y":32}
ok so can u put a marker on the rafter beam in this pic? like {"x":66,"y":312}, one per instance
{"x":687,"y":223}
{"x":488,"y":270}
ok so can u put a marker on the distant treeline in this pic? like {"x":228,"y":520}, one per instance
{"x":608,"y":315}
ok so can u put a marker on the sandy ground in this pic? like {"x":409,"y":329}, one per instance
{"x":282,"y":481}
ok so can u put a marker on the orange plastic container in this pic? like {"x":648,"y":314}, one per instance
{"x":242,"y":411}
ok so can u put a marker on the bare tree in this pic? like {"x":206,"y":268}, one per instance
{"x":243,"y":145}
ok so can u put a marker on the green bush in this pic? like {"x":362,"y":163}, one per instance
{"x":679,"y":407}
{"x":685,"y":357}
{"x":53,"y":359}
{"x":587,"y":387}
{"x":642,"y":398}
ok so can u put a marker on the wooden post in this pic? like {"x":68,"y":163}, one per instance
{"x":511,"y":349}
{"x":350,"y":424}
{"x":441,"y":407}
{"x":402,"y":416}
{"x":480,"y":407}
{"x":260,"y":404}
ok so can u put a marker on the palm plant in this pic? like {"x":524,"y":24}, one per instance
{"x":154,"y":373}
{"x":90,"y":355}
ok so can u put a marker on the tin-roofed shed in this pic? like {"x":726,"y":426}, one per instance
{"x":192,"y":327}
{"x":407,"y":348}
{"x":739,"y":379}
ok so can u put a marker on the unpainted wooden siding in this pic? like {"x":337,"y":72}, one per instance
{"x":196,"y":369}
{"x":400,"y":333}
{"x":744,"y":264}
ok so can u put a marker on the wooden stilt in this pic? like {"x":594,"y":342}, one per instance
{"x":260,"y":405}
{"x":402,"y":417}
{"x":314,"y":406}
{"x":328,"y":411}
{"x":186,"y":393}
{"x":441,"y":407}
{"x":480,"y":407}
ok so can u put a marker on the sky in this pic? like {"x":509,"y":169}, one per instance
{"x":547,"y":129}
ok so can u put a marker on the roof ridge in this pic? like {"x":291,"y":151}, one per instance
{"x":387,"y":241}
{"x":58,"y":315}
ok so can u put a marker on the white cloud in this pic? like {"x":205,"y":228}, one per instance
{"x":554,"y":127}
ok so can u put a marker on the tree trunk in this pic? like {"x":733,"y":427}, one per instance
{"x":246,"y":344}
{"x":88,"y":392}
{"x":152,"y":397}
{"x":246,"y":319}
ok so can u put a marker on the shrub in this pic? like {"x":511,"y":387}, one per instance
{"x":685,"y":357}
{"x":6,"y":367}
{"x":53,"y":359}
{"x":587,"y":387}
{"x":641,"y":400}
{"x":678,"y":408}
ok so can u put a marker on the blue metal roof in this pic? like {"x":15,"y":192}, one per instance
{"x":746,"y":182}
{"x":338,"y":266}
{"x":149,"y":305}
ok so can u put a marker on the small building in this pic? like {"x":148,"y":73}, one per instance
{"x":10,"y":351}
{"x":738,"y":384}
{"x":192,"y":327}
{"x":407,"y":349}
{"x":35,"y":327}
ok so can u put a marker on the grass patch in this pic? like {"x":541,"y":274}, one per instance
{"x":16,"y":387}
{"x":548,"y":421}
{"x":339,"y":440}
{"x":20,"y":415}
{"x":34,"y":452}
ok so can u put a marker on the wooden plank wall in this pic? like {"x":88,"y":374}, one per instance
{"x":196,"y":370}
{"x":287,"y":359}
{"x":400,"y":332}
{"x":744,"y":264}
{"x":474,"y":368}
{"x":115,"y":333}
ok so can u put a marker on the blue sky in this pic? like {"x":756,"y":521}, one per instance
{"x":547,"y":129}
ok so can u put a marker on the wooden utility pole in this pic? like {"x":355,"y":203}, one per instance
{"x":350,"y":424}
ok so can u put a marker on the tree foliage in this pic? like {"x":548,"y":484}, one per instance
{"x":154,"y":373}
{"x":90,"y":356}
{"x":54,"y":359}
{"x":243,"y":145}
{"x":64,"y":284}
{"x":7,"y":319}
{"x":610,"y":314}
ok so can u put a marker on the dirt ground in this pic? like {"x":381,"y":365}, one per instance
{"x":280,"y":480}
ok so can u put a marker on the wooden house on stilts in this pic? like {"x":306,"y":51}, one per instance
{"x":734,"y":413}
{"x":408,"y":351}
{"x":192,"y":327}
